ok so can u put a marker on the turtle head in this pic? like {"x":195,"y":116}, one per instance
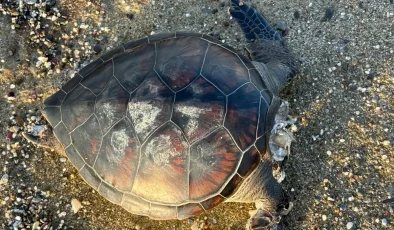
{"x":42,"y":136}
{"x":265,"y":46}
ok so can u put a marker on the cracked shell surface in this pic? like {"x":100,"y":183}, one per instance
{"x":166,"y":127}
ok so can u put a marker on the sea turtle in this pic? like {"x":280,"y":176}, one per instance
{"x":173,"y":124}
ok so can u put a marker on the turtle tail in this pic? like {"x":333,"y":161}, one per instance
{"x":253,"y":24}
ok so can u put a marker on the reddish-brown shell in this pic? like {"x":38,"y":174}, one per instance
{"x":167,"y":126}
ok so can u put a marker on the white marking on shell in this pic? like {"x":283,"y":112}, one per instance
{"x":119,"y":142}
{"x":193,"y":112}
{"x":143,"y":114}
{"x":161,"y":148}
{"x":107,"y":111}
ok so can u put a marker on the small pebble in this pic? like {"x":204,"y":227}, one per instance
{"x":75,"y":205}
{"x":384,"y":221}
{"x":62,"y":159}
{"x":324,"y":217}
{"x":328,"y":15}
{"x":349,"y":225}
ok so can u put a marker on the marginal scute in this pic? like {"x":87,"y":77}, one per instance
{"x":261,"y":144}
{"x":189,"y":210}
{"x":98,"y":79}
{"x":133,"y":66}
{"x":161,"y":36}
{"x":90,"y":176}
{"x":250,"y":160}
{"x":111,"y":104}
{"x":224,"y":69}
{"x":162,"y":173}
{"x":52,"y":114}
{"x":231,"y":186}
{"x":212,"y":161}
{"x":72,"y":83}
{"x":199,"y":109}
{"x":77,"y":107}
{"x":133,"y":44}
{"x":179,"y":60}
{"x":261,"y":127}
{"x":118,"y":157}
{"x":56,"y":99}
{"x":110,"y":193}
{"x":162,"y":212}
{"x":246,"y":61}
{"x":74,"y":157}
{"x":135,"y":204}
{"x":242,"y":115}
{"x":150,"y":106}
{"x":62,"y":134}
{"x":87,"y":139}
{"x":187,"y":34}
{"x":255,"y":78}
{"x":212,"y":202}
{"x":113,"y":53}
{"x":90,"y":67}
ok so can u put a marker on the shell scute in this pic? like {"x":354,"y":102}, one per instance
{"x":90,"y":176}
{"x":72,"y":83}
{"x":224,"y":69}
{"x":179,"y":60}
{"x":162,"y":174}
{"x":104,"y":72}
{"x":231,"y":186}
{"x":212,"y":161}
{"x":56,"y":99}
{"x":150,"y":106}
{"x":189,"y":210}
{"x":162,"y":212}
{"x":199,"y":109}
{"x":133,"y":66}
{"x":250,"y":160}
{"x":77,"y":107}
{"x":135,"y":204}
{"x":62,"y":134}
{"x":87,"y":139}
{"x":111,"y":104}
{"x":161,"y":36}
{"x":242,"y":115}
{"x":91,"y":67}
{"x":117,"y":161}
{"x":53,"y":114}
{"x":110,"y":193}
{"x":131,"y":45}
{"x":74,"y":157}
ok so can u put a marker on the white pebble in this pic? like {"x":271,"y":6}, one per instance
{"x":62,"y":214}
{"x":324,"y":217}
{"x":329,"y":152}
{"x":384,"y":221}
{"x":62,"y":159}
{"x":12,"y":86}
{"x":76,"y":205}
{"x":187,"y":15}
{"x":349,"y":225}
{"x":386,"y":143}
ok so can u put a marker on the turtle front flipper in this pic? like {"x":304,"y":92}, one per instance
{"x":266,"y":48}
{"x":253,"y":24}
